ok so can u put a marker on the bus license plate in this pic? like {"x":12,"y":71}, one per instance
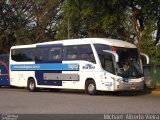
{"x":133,"y":88}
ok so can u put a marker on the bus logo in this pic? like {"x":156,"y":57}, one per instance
{"x":88,"y":66}
{"x":73,"y":66}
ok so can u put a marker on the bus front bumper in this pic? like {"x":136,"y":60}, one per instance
{"x":125,"y":86}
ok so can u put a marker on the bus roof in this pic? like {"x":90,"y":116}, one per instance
{"x":107,"y":41}
{"x":113,"y":42}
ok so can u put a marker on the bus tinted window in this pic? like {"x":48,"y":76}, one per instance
{"x":79,"y":52}
{"x":107,"y":63}
{"x":105,"y":58}
{"x":72,"y":52}
{"x":101,"y":47}
{"x":55,"y":54}
{"x":42,"y":54}
{"x":49,"y":54}
{"x":23,"y":54}
{"x":86,"y":53}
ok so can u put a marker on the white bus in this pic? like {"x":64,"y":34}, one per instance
{"x":90,"y":64}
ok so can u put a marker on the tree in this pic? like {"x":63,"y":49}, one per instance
{"x":46,"y":14}
{"x":32,"y":21}
{"x":92,"y":18}
{"x":136,"y":21}
{"x":144,"y":24}
{"x":27,"y":21}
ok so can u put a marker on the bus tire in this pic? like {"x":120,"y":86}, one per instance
{"x":31,"y":86}
{"x":90,"y":87}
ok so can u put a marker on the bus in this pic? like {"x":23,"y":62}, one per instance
{"x":4,"y":70}
{"x":89,"y":64}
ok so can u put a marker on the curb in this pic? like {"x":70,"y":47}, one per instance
{"x":153,"y":89}
{"x":156,"y":92}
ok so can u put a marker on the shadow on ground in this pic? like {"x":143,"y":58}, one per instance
{"x":81,"y":92}
{"x":124,"y":93}
{"x":129,"y":93}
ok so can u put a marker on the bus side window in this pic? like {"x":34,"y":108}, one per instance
{"x":23,"y":54}
{"x":79,"y":52}
{"x":72,"y":52}
{"x":108,"y":64}
{"x":42,"y":54}
{"x":17,"y":55}
{"x":86,"y":53}
{"x":29,"y":54}
{"x":55,"y":54}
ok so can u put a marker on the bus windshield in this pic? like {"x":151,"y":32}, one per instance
{"x":129,"y":65}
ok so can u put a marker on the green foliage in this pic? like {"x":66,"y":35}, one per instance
{"x":27,"y":21}
{"x":32,"y":21}
{"x":91,"y":18}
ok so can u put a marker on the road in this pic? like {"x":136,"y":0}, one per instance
{"x":21,"y":101}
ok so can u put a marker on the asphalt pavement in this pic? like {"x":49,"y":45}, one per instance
{"x":21,"y":101}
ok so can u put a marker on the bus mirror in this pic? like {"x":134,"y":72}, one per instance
{"x":144,"y":58}
{"x":113,"y":54}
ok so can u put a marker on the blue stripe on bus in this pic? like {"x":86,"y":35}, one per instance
{"x":55,"y":66}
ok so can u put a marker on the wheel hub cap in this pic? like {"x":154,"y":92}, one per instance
{"x":91,"y":87}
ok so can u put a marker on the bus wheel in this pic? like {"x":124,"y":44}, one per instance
{"x":31,"y":85}
{"x":90,"y":87}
